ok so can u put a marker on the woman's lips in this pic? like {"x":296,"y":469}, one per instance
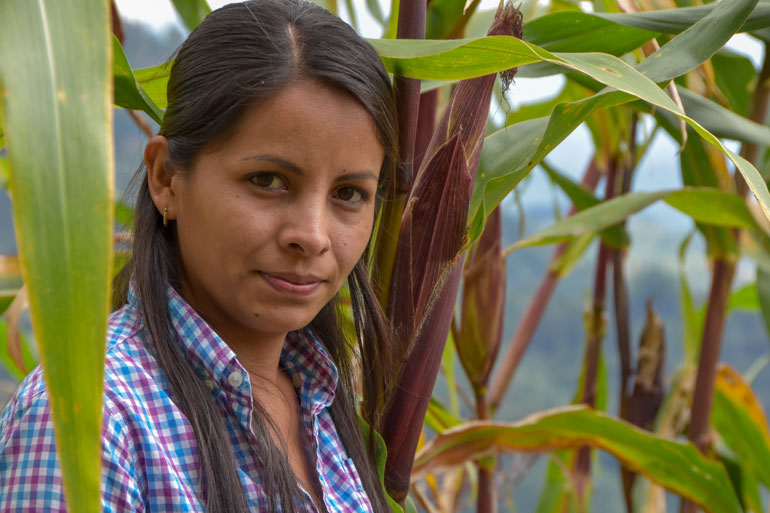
{"x":292,"y":283}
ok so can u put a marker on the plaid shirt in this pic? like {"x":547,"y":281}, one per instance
{"x":149,"y":453}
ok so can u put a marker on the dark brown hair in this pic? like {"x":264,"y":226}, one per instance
{"x":240,"y":55}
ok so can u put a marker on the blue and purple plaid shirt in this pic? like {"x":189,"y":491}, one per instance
{"x":149,"y":455}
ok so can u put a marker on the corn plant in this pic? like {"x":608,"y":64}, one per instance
{"x":622,"y":63}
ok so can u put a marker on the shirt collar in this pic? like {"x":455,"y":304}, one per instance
{"x":303,"y":356}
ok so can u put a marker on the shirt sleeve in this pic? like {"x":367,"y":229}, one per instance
{"x":30,"y":475}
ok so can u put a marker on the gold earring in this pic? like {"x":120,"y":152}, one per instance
{"x":165,"y":216}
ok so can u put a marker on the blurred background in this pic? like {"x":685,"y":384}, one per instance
{"x":548,"y":375}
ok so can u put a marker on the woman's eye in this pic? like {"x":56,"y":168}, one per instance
{"x":350,"y":195}
{"x":268,"y":181}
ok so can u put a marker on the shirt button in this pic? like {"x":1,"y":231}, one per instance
{"x":296,"y":379}
{"x":235,"y":379}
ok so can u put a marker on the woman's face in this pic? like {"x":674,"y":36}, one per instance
{"x":271,"y":222}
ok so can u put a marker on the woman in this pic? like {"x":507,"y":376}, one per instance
{"x":228,"y":380}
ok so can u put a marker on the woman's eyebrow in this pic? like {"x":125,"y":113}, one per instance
{"x":290,"y":166}
{"x":358,"y":175}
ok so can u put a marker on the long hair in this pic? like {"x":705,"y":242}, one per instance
{"x":239,"y":56}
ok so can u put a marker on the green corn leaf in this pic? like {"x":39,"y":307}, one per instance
{"x":438,"y":417}
{"x":593,"y":219}
{"x":678,"y":466}
{"x":702,"y":165}
{"x":192,"y":12}
{"x":128,"y":93}
{"x":124,"y":214}
{"x":692,"y":321}
{"x":614,"y":236}
{"x":58,"y":128}
{"x":6,"y":298}
{"x":576,"y":248}
{"x":763,"y":289}
{"x":448,"y":370}
{"x":373,"y":6}
{"x":442,"y":16}
{"x":3,"y":171}
{"x":712,"y":206}
{"x":723,"y":122}
{"x":575,"y":31}
{"x":693,"y":201}
{"x":733,"y":74}
{"x":26,"y":353}
{"x":558,"y":494}
{"x":737,"y":416}
{"x":453,"y":60}
{"x":746,"y":299}
{"x":698,"y":43}
{"x":154,"y":82}
{"x":381,"y":456}
{"x":392,"y":26}
{"x":502,"y":168}
{"x":674,"y":21}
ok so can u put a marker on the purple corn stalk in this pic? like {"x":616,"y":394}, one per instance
{"x":427,"y":269}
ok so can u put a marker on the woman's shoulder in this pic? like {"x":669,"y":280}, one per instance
{"x":135,"y":403}
{"x":127,"y":361}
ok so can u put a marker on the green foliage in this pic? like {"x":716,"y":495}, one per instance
{"x":127,"y":92}
{"x":57,"y":123}
{"x":192,"y":12}
{"x":65,"y":248}
{"x":678,"y":466}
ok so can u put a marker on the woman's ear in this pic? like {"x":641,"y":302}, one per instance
{"x":161,"y":177}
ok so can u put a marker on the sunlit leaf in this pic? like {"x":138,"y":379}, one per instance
{"x":712,"y":206}
{"x":575,"y":31}
{"x":678,"y":466}
{"x":703,"y":204}
{"x":593,"y":219}
{"x":452,"y":60}
{"x":192,"y":12}
{"x":746,"y":298}
{"x":738,"y":417}
{"x":674,"y":21}
{"x":128,"y":94}
{"x":124,"y":214}
{"x":58,"y":127}
{"x":699,"y":42}
{"x":154,"y":82}
{"x":438,"y":417}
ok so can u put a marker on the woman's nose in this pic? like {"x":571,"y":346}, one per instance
{"x":306,"y":229}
